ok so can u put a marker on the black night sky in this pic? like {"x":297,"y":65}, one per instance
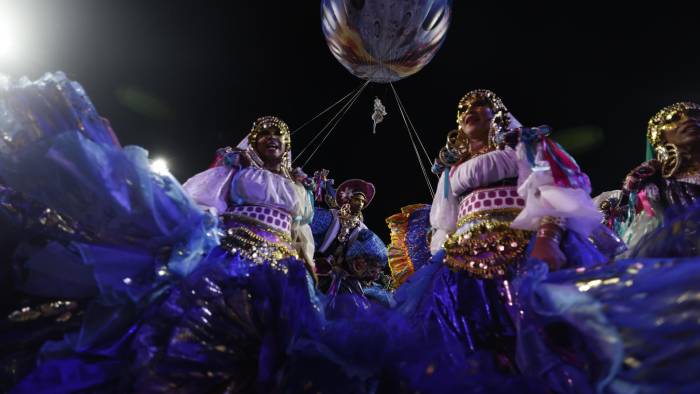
{"x":182,"y":78}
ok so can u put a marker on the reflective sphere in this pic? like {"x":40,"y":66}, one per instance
{"x":385,"y":40}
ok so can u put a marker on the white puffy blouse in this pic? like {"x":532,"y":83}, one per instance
{"x":220,"y":188}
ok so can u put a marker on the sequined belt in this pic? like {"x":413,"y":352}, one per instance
{"x":257,"y":243}
{"x":268,"y":216}
{"x":496,"y":198}
{"x":484,"y":244}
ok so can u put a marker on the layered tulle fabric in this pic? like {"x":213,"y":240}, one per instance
{"x":458,"y":308}
{"x":115,"y":232}
{"x":57,"y":152}
{"x":237,"y":327}
{"x":626,"y":326}
{"x":228,"y":327}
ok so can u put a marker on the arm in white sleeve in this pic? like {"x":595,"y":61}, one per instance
{"x":443,"y":213}
{"x":210,"y":189}
{"x":303,"y":241}
{"x":302,"y":237}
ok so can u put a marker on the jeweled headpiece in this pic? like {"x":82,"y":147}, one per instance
{"x":270,"y":121}
{"x":479,"y":97}
{"x":501,"y":122}
{"x":261,"y":124}
{"x":662,"y":122}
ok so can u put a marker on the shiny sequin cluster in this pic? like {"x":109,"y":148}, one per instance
{"x":258,"y":249}
{"x":62,"y":311}
{"x":410,"y":241}
{"x":487,"y":249}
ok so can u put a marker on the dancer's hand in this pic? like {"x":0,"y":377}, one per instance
{"x":549,"y":252}
{"x":244,"y":160}
{"x":546,"y":246}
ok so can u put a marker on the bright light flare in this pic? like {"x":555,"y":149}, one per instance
{"x":18,"y":30}
{"x":7,"y":40}
{"x":160,"y":166}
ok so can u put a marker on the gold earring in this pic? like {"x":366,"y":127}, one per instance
{"x":670,"y":161}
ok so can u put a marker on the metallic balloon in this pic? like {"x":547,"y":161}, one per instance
{"x":385,"y":40}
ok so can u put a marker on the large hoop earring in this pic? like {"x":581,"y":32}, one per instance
{"x":671,"y":160}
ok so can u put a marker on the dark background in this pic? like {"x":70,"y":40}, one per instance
{"x":182,"y":78}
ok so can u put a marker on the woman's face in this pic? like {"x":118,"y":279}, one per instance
{"x":683,"y":130}
{"x":270,"y":145}
{"x":476,"y":122}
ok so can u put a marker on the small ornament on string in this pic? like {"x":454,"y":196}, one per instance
{"x":378,"y":114}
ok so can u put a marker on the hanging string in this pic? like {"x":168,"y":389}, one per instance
{"x":425,"y":152}
{"x":409,"y":124}
{"x":326,"y":110}
{"x":344,"y":111}
{"x":413,"y":143}
{"x":335,"y":117}
{"x":323,"y":129}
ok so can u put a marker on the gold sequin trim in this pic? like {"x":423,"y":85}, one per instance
{"x":487,"y":249}
{"x":253,"y":247}
{"x":487,"y":214}
{"x":62,"y":311}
